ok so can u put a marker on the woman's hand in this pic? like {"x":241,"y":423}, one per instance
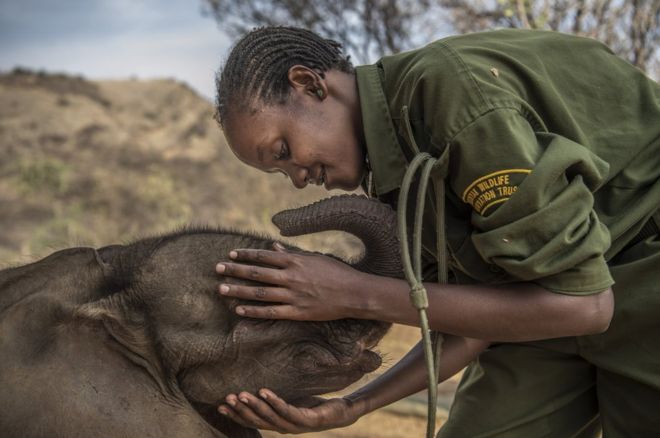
{"x":310,"y":287}
{"x":269,"y":412}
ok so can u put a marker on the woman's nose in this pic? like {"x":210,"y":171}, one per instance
{"x":299,"y":177}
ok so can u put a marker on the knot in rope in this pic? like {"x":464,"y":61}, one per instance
{"x":419,"y":297}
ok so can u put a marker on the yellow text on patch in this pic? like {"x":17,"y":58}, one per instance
{"x":492,"y":189}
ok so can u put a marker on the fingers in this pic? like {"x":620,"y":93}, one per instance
{"x":284,"y":311}
{"x":285,"y":410}
{"x":248,"y":272}
{"x":277,"y":246}
{"x":250,"y":411}
{"x":320,"y":415}
{"x":258,"y":293}
{"x":279,"y":257}
{"x":231,"y":413}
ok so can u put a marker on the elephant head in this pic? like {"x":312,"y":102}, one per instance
{"x":160,"y":303}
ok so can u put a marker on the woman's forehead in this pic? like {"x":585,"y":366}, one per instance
{"x":251,"y":136}
{"x":256,"y":119}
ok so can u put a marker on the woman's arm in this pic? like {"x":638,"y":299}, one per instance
{"x":407,"y":377}
{"x":316,"y":287}
{"x":510,"y":313}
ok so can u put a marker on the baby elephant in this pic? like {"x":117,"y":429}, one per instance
{"x":134,"y":340}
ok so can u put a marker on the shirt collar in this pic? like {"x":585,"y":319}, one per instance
{"x":386,"y":158}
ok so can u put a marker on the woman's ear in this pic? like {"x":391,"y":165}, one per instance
{"x":308,"y":82}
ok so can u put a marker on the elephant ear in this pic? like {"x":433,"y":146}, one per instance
{"x":129,"y":331}
{"x":225,"y":425}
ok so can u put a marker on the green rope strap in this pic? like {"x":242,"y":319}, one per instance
{"x":418,"y":296}
{"x":432,"y":341}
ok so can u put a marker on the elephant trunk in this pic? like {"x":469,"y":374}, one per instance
{"x":373,"y":222}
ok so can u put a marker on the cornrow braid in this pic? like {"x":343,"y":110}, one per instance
{"x":258,"y":65}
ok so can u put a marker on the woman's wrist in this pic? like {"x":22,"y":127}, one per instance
{"x":381,"y":298}
{"x":361,"y":293}
{"x":358,"y":404}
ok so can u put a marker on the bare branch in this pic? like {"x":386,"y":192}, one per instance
{"x":371,"y":28}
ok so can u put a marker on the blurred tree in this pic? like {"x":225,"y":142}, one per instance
{"x":362,"y":26}
{"x":370,"y":28}
{"x":628,"y":27}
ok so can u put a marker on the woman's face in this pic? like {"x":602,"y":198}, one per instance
{"x":311,"y":139}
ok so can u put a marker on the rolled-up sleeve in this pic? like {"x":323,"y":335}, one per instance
{"x":531,"y":196}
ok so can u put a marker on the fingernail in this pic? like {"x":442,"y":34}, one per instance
{"x":240,"y":311}
{"x":233,"y":254}
{"x":231,"y":402}
{"x":222,"y":411}
{"x":263,"y":394}
{"x":224,"y":289}
{"x":244,"y":400}
{"x":220,"y":268}
{"x":278,"y":245}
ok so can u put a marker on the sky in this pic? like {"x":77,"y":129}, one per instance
{"x":114,"y":39}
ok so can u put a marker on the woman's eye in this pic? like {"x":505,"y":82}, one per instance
{"x":283,"y":153}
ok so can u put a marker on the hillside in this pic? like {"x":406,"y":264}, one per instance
{"x":99,"y":162}
{"x":91,"y":163}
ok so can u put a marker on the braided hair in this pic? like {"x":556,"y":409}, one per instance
{"x":257,"y":68}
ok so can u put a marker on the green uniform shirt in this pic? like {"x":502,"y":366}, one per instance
{"x":554,"y":151}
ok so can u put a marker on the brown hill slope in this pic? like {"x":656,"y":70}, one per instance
{"x":89,"y":163}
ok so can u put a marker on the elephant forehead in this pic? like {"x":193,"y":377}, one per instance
{"x":188,"y":306}
{"x":195,"y":302}
{"x":267,"y":331}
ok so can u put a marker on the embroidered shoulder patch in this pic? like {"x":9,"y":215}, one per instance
{"x":493,"y":189}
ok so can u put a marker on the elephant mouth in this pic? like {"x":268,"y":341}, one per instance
{"x":368,"y":361}
{"x":327,"y":378}
{"x":355,"y":355}
{"x":364,"y":358}
{"x":359,"y":360}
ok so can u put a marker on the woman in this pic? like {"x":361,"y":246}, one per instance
{"x":553,"y":180}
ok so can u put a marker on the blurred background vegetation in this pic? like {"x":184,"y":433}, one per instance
{"x":96,"y":162}
{"x":371,"y":28}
